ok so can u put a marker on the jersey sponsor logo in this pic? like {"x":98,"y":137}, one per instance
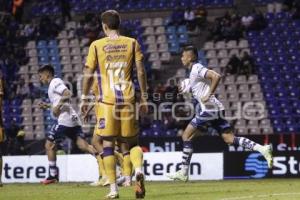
{"x":256,"y":164}
{"x":111,"y":58}
{"x":109,"y":48}
{"x":101,"y":124}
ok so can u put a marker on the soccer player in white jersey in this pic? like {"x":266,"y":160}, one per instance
{"x":203,"y":83}
{"x":68,"y":121}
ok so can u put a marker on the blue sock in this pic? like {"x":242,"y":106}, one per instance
{"x":246,"y":143}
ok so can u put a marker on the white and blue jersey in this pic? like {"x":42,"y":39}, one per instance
{"x":68,"y":121}
{"x":212,"y":112}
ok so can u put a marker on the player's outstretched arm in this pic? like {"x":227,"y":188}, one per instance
{"x":215,"y":78}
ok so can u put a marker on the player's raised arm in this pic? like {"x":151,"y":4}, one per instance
{"x":90,"y":67}
{"x":215,"y":78}
{"x":142,"y":77}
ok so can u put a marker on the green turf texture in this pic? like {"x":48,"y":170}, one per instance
{"x":269,"y":189}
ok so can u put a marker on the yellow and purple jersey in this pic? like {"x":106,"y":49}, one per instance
{"x":113,"y":60}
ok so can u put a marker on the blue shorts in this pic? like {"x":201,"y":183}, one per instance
{"x":59,"y":132}
{"x":214,"y":120}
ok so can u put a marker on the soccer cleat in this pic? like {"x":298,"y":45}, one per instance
{"x":267,"y":153}
{"x":140,"y":186}
{"x":178,"y":176}
{"x":104,"y":181}
{"x":1,"y":185}
{"x":50,"y":180}
{"x":112,"y":195}
{"x":96,"y":183}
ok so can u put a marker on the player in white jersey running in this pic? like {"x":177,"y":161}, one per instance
{"x":68,"y":122}
{"x":203,"y":83}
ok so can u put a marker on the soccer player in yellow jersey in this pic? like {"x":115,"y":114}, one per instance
{"x":1,"y":125}
{"x":125,"y":178}
{"x":113,"y":58}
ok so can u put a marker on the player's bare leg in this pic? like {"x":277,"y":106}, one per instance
{"x":53,"y":170}
{"x":85,"y":146}
{"x":187,"y":152}
{"x":265,"y":150}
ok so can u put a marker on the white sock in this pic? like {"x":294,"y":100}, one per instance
{"x":127,"y":179}
{"x":258,"y":147}
{"x":52,"y":163}
{"x":52,"y":168}
{"x":185,"y":169}
{"x":113,"y":187}
{"x":138,"y":170}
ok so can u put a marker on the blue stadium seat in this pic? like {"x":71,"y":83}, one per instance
{"x":54,"y":59}
{"x":183,"y":38}
{"x":174,"y":47}
{"x":182,"y":29}
{"x":171,"y":30}
{"x":17,"y":119}
{"x":43,"y":60}
{"x":41,"y":44}
{"x":42,"y":51}
{"x":172,"y":38}
{"x":171,"y":133}
{"x":167,"y":21}
{"x":52,"y":44}
{"x":53,"y":52}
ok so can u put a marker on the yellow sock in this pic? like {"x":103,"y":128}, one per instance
{"x":127,"y":166}
{"x":136,"y":157}
{"x":101,"y":166}
{"x":110,"y":168}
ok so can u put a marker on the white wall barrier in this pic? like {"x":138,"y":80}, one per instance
{"x":80,"y":168}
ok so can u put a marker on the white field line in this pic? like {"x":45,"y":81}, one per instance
{"x":262,"y":196}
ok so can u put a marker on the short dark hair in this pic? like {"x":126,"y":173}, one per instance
{"x":112,"y":19}
{"x":193,"y":49}
{"x":47,"y":68}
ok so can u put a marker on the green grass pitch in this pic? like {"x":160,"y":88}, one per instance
{"x":267,"y":189}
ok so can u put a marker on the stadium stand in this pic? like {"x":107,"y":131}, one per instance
{"x":161,"y":41}
{"x":82,"y":6}
{"x":277,"y":58}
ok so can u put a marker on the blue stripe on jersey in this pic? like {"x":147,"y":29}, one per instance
{"x":98,"y":76}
